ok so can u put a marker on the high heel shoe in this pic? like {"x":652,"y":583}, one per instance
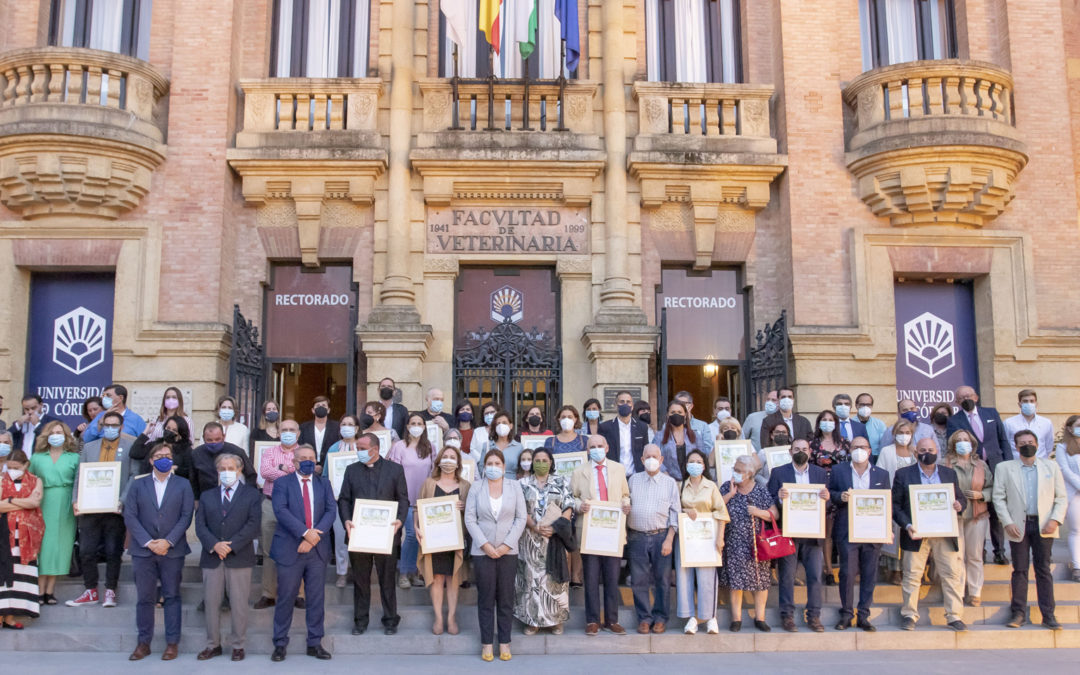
{"x":12,"y":626}
{"x":505,"y":655}
{"x":487,"y":655}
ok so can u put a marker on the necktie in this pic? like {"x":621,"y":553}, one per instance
{"x":228,"y":500}
{"x":601,"y":483}
{"x":976,"y":424}
{"x":846,"y":429}
{"x":307,"y":504}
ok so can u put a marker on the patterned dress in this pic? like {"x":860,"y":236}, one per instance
{"x":741,"y":570}
{"x":827,"y":459}
{"x":19,"y":590}
{"x":59,"y":479}
{"x":538,"y":600}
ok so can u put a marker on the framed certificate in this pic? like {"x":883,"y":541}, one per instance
{"x":602,"y":531}
{"x":804,"y":511}
{"x":99,"y":487}
{"x":256,"y":457}
{"x":566,"y":462}
{"x":386,"y":439}
{"x":336,"y":463}
{"x":697,"y":541}
{"x":932,"y":512}
{"x":724,"y":455}
{"x":434,"y":434}
{"x":870,"y":516}
{"x":777,"y":456}
{"x":468,"y":469}
{"x":440,"y":524}
{"x":373,"y":526}
{"x":533,"y":441}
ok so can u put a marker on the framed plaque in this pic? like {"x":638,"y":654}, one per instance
{"x":386,"y":439}
{"x":533,"y":441}
{"x":932,"y":512}
{"x":804,"y":511}
{"x":566,"y":462}
{"x":257,"y":450}
{"x":99,"y":487}
{"x":434,"y":434}
{"x":373,"y":526}
{"x":777,"y":456}
{"x":603,"y":528}
{"x":336,"y":463}
{"x":468,"y":469}
{"x":440,"y":524}
{"x":870,"y":516}
{"x":724,"y":455}
{"x":697,"y":541}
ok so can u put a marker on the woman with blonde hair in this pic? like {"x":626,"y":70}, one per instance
{"x":977,"y":483}
{"x":893,"y":457}
{"x":1067,"y":452}
{"x":56,"y":463}
{"x":444,"y":572}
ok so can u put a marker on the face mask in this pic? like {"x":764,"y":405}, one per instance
{"x":363,"y":456}
{"x":488,"y":417}
{"x":645,"y":417}
{"x":321,"y":412}
{"x":652,"y":464}
{"x":56,"y":440}
{"x":800,"y":457}
{"x":271,"y":416}
{"x":1076,"y":432}
{"x":1028,"y":450}
{"x":968,"y":405}
{"x":737,"y":477}
{"x":436,"y":407}
{"x":963,"y":448}
{"x":940,"y":419}
{"x":171,"y":436}
{"x":864,"y":411}
{"x":448,"y":465}
{"x":227,"y":478}
{"x":625,"y":409}
{"x":226,"y":414}
{"x":723,"y":414}
{"x":842,"y":411}
{"x":695,"y":469}
{"x":781,"y":439}
{"x":903,"y":439}
{"x":526,"y":465}
{"x":288,"y":438}
{"x":15,"y":474}
{"x":171,"y":404}
{"x":366,"y":421}
{"x":534,"y":420}
{"x":215,"y":448}
{"x":110,"y":433}
{"x":1027,"y":409}
{"x":106,"y":402}
{"x":770,"y":407}
{"x":910,"y":416}
{"x":928,"y":458}
{"x":597,"y":454}
{"x":676,"y":420}
{"x":415,"y":431}
{"x":348,"y":431}
{"x":730,"y":434}
{"x":5,"y":449}
{"x":541,"y":467}
{"x":502,"y":430}
{"x":163,"y":465}
{"x":386,"y":393}
{"x":786,"y":404}
{"x":592,"y":414}
{"x":566,"y":423}
{"x":859,"y":455}
{"x":464,"y":416}
{"x":454,"y":443}
{"x":493,"y":472}
{"x":307,"y":467}
{"x":827,"y":426}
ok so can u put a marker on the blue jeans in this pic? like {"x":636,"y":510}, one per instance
{"x":410,"y":548}
{"x":649,"y":566}
{"x":807,"y":552}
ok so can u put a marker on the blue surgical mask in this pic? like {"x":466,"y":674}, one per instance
{"x":910,"y":416}
{"x":163,"y":464}
{"x":227,"y":478}
{"x":348,"y":431}
{"x":307,"y":467}
{"x":592,"y":414}
{"x":488,"y":417}
{"x":771,"y":407}
{"x":1028,"y":409}
{"x":436,"y":407}
{"x":363,"y":456}
{"x":842,"y":411}
{"x":288,"y":438}
{"x":106,"y":402}
{"x":1076,"y":432}
{"x":695,"y":469}
{"x":737,"y":477}
{"x":110,"y":433}
{"x":597,"y":454}
{"x":226,"y":413}
{"x":56,"y":440}
{"x":492,"y":472}
{"x":827,"y":426}
{"x":215,"y":448}
{"x":787,"y":404}
{"x":963,"y":448}
{"x":5,"y":449}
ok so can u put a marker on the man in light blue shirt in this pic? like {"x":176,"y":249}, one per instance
{"x":908,"y":410}
{"x":751,"y":427}
{"x":114,"y":399}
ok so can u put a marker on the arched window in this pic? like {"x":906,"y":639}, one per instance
{"x":121,"y":26}
{"x":693,"y":41}
{"x":898,"y":31}
{"x":320,"y":38}
{"x":476,"y":59}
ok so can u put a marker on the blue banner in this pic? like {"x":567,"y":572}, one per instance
{"x":70,"y":341}
{"x":935,"y":343}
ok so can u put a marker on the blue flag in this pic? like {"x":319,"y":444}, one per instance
{"x":566,"y":12}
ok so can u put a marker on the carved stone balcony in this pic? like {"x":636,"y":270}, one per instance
{"x":935,"y":142}
{"x":78,"y":131}
{"x":309,"y":142}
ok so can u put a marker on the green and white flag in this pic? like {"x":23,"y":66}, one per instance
{"x":525,"y":27}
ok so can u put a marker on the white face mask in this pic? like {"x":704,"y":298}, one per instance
{"x":864,"y":411}
{"x":415,"y":431}
{"x":786,"y":404}
{"x":454,"y":443}
{"x":566,"y":423}
{"x":227,"y":478}
{"x":737,"y":478}
{"x":903,"y":439}
{"x":15,"y":474}
{"x":652,"y":464}
{"x":722,"y":415}
{"x":502,"y":430}
{"x":526,"y":465}
{"x":859,"y":455}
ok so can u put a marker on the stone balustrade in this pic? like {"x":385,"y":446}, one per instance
{"x":508,"y":105}
{"x":289,"y":104}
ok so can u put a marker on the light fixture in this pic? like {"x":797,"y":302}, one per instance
{"x":710,"y":369}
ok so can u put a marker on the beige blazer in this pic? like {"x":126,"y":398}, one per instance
{"x":427,"y":491}
{"x":581,"y":486}
{"x":1010,"y":494}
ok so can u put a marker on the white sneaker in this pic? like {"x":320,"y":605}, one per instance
{"x":712,"y":628}
{"x":110,"y":598}
{"x":691,"y":626}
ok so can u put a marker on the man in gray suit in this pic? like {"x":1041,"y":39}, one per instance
{"x":103,"y":530}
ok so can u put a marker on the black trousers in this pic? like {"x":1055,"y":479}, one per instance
{"x":597,"y":569}
{"x":1033,"y":547}
{"x":997,"y":532}
{"x":861,"y":560}
{"x":495,"y":596}
{"x":386,"y":570}
{"x":99,"y":531}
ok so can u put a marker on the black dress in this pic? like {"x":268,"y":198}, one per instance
{"x":443,"y":563}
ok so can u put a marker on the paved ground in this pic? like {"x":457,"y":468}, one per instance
{"x":1011,"y":662}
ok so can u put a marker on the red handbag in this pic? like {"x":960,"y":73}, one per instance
{"x":769,"y":544}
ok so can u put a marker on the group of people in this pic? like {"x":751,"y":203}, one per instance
{"x":522,"y":519}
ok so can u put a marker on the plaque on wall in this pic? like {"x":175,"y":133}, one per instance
{"x":488,"y":230}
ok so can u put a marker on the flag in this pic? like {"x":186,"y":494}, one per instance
{"x":566,"y":13}
{"x":457,"y":21}
{"x":489,"y":22}
{"x":525,"y":28}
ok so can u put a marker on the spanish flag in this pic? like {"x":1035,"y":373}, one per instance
{"x":489,"y":21}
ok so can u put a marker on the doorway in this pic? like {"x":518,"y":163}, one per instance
{"x":295,"y":386}
{"x":706,"y":381}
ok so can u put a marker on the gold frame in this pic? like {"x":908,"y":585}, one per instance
{"x":329,"y":468}
{"x":533,"y":441}
{"x":587,"y":518}
{"x":362,"y":547}
{"x":452,"y":500}
{"x":683,"y":524}
{"x":855,"y":494}
{"x":117,"y":467}
{"x":257,"y":450}
{"x":913,"y":492}
{"x":776,"y":448}
{"x":814,"y":488}
{"x":563,"y":456}
{"x":744,"y":443}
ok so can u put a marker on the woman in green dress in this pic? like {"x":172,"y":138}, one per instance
{"x":56,"y":464}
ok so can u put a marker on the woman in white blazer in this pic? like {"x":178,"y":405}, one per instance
{"x":1067,"y":453}
{"x":495,"y":515}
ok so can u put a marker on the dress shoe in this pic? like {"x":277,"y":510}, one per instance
{"x":140,"y":653}
{"x":1016,"y":620}
{"x":1051,"y":623}
{"x":896,"y":578}
{"x":843,"y":624}
{"x":357,"y":629}
{"x":866,"y":625}
{"x":789,"y":624}
{"x":341,"y":579}
{"x":238,"y":655}
{"x":975,"y":601}
{"x":958,"y":626}
{"x":643,"y":627}
{"x":761,"y":626}
{"x":1000,"y":559}
{"x":907,"y":623}
{"x":1075,"y":575}
{"x":592,"y":629}
{"x":170,"y":652}
{"x":15,"y":625}
{"x":528,"y":630}
{"x":265,"y":602}
{"x":390,"y":630}
{"x":659,"y":627}
{"x":318,"y":652}
{"x":209,"y":653}
{"x":278,"y":655}
{"x":300,"y":603}
{"x":615,"y":628}
{"x":815,"y":624}
{"x":735,"y":626}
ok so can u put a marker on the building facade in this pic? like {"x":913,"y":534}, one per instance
{"x":897,"y":179}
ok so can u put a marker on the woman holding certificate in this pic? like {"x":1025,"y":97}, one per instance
{"x":416,"y":459}
{"x":21,"y":531}
{"x":746,"y":501}
{"x":56,"y":463}
{"x":495,"y":515}
{"x":443,"y":571}
{"x":977,"y":483}
{"x":701,"y":498}
{"x":828,"y":449}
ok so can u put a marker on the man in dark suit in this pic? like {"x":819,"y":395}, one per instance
{"x":204,"y":460}
{"x":916,"y":550}
{"x":321,"y":432}
{"x":849,"y":427}
{"x":626,"y":436}
{"x":396,"y":414}
{"x":861,"y":559}
{"x":24,"y":430}
{"x":157,"y":512}
{"x":305,"y":510}
{"x":807,"y":551}
{"x":434,"y":412}
{"x":798,"y":425}
{"x":227,"y":524}
{"x":985,"y":425}
{"x":379,"y":479}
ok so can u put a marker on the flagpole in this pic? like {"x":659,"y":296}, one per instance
{"x":491,"y":88}
{"x":455,"y":119}
{"x":525,"y":112}
{"x":562,"y":86}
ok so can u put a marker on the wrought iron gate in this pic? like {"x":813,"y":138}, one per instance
{"x":662,"y":369}
{"x":769,"y":361}
{"x":246,"y":368}
{"x":515,"y":368}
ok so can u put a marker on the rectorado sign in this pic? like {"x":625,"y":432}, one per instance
{"x":517,"y":230}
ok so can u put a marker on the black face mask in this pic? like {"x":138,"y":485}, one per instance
{"x":534,"y":420}
{"x":800,"y":457}
{"x":624,"y":410}
{"x":928,"y":458}
{"x":170,"y":436}
{"x":676,"y":420}
{"x":645,"y":417}
{"x":940,"y":418}
{"x":1028,"y":450}
{"x":386,"y":393}
{"x":968,"y":405}
{"x":781,"y":439}
{"x":321,"y":412}
{"x":730,"y":435}
{"x":271,"y":416}
{"x":366,"y":421}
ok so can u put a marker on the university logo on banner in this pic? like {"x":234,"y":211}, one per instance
{"x":79,"y":340}
{"x":507,"y":303}
{"x":928,"y":345}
